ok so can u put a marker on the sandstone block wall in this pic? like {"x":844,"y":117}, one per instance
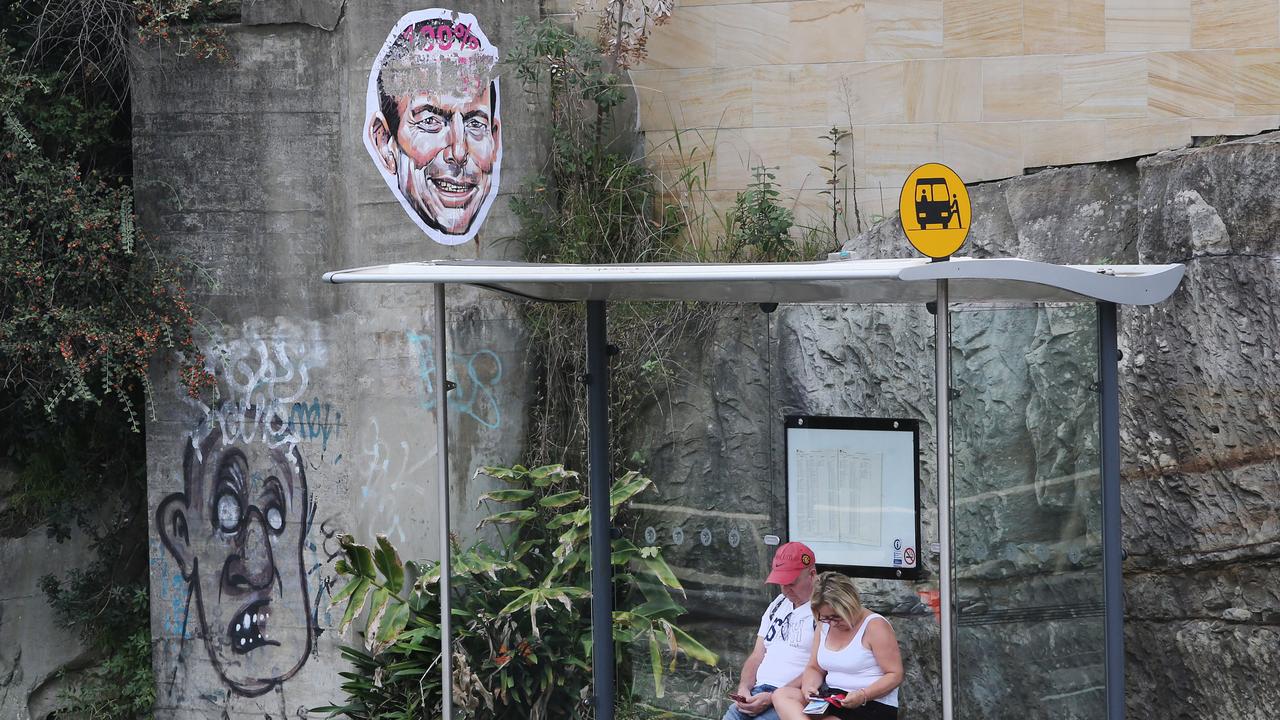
{"x":988,"y":88}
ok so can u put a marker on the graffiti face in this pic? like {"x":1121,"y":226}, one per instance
{"x":432,"y":125}
{"x":445,"y":149}
{"x":237,"y":532}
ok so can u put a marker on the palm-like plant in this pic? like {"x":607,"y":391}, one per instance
{"x":522,"y":628}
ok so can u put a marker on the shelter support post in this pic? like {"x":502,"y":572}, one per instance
{"x":442,"y":473}
{"x":1112,"y":550}
{"x":942,"y":381}
{"x":601,"y":525}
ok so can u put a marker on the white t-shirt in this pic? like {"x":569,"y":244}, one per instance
{"x":787,"y":632}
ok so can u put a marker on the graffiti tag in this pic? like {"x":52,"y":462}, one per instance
{"x":315,"y":421}
{"x":476,"y":375}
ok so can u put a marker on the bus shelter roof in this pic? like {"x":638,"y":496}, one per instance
{"x":905,"y":281}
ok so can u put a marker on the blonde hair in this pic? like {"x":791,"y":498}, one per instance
{"x":838,"y":591}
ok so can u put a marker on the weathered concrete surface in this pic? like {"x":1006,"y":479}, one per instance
{"x":323,"y":14}
{"x":256,"y":171}
{"x":34,"y":646}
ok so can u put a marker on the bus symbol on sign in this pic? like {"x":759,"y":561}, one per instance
{"x":937,"y":205}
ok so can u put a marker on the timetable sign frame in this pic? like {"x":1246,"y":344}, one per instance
{"x":853,"y":493}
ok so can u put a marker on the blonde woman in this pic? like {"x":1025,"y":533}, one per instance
{"x":855,"y":656}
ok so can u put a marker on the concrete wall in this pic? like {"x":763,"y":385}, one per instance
{"x":255,"y":170}
{"x":34,"y":646}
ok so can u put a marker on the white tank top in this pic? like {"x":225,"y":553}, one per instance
{"x":853,"y":667}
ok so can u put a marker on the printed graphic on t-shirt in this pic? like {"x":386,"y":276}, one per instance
{"x":787,"y":635}
{"x":787,"y":627}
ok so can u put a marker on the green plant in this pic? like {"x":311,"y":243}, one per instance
{"x":122,"y":687}
{"x":84,"y":471}
{"x":522,"y":632}
{"x":84,"y":302}
{"x":595,"y":203}
{"x":837,"y":192}
{"x":761,"y":225}
{"x":187,"y":24}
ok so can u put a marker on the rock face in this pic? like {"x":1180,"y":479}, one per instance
{"x":1200,"y":445}
{"x":1201,"y":425}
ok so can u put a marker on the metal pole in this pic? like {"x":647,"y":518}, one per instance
{"x":598,"y":486}
{"x":442,"y":465}
{"x":942,"y":383}
{"x":1112,"y":550}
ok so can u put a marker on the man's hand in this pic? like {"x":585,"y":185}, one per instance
{"x":757,"y":703}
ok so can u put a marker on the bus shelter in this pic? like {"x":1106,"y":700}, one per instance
{"x":947,"y":288}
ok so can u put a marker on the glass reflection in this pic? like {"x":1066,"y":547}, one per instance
{"x":1026,"y":514}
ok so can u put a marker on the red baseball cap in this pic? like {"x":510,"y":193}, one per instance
{"x":790,"y":560}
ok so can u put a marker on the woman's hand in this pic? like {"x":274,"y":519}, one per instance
{"x":809,"y":689}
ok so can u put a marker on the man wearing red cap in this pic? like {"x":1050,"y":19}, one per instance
{"x":785,"y":638}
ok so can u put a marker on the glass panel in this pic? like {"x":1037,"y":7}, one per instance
{"x":715,"y":501}
{"x":714,"y":444}
{"x":1027,"y":514}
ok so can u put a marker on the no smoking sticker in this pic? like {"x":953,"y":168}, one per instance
{"x":909,"y":557}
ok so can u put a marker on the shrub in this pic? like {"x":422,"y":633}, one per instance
{"x":521,"y":619}
{"x":84,"y":302}
{"x":760,"y":224}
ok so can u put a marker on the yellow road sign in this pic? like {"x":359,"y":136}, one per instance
{"x":934,"y":209}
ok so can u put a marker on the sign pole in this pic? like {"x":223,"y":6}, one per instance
{"x":936,"y":214}
{"x":598,"y":482}
{"x":942,"y":376}
{"x":1112,"y":540}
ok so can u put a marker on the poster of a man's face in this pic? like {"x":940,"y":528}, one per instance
{"x":432,"y":125}
{"x":237,"y":531}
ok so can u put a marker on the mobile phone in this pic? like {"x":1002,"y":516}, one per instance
{"x":817,"y":706}
{"x":736,"y":697}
